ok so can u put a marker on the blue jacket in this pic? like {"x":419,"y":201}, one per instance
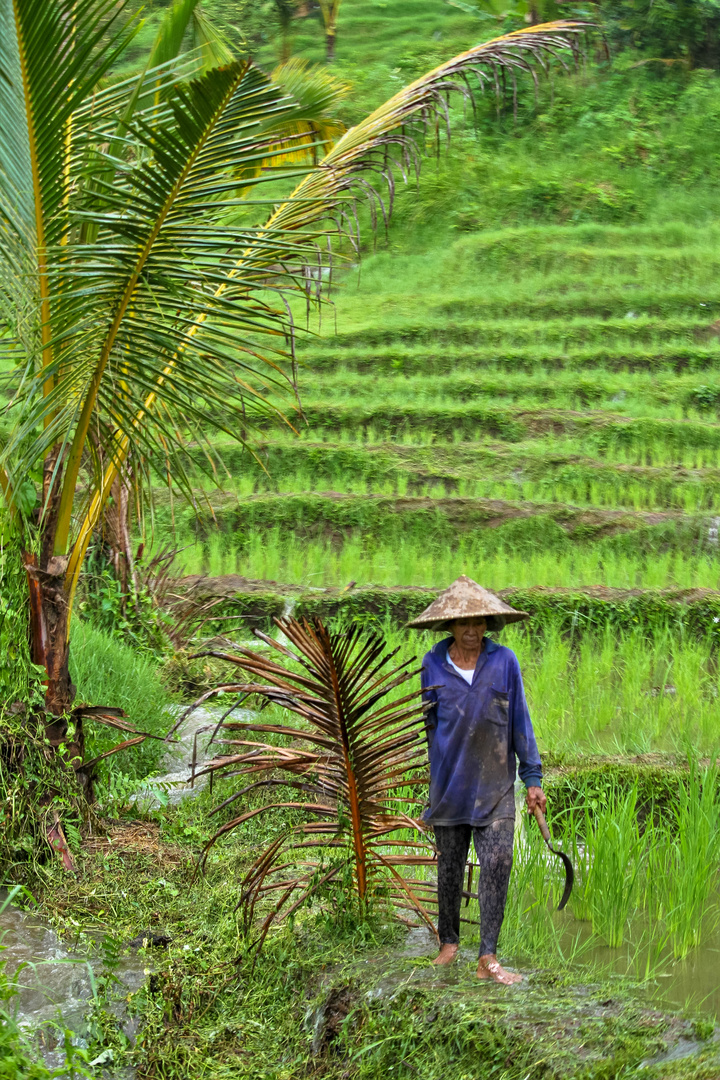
{"x":475,"y":732}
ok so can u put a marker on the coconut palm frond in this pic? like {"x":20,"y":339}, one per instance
{"x":306,"y":132}
{"x":354,"y":770}
{"x":400,"y":125}
{"x":183,"y":18}
{"x":123,"y":306}
{"x":47,"y":71}
{"x":213,"y":44}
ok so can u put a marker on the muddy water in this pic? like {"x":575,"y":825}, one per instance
{"x":195,"y":743}
{"x":56,"y":982}
{"x":692,"y":983}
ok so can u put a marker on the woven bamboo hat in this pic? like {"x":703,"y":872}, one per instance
{"x":465,"y":599}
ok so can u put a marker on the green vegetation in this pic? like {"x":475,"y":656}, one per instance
{"x":107,"y":672}
{"x":339,"y":994}
{"x":575,"y":386}
{"x":518,"y":379}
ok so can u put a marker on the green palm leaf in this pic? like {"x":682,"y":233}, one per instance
{"x":163,"y":248}
{"x":181,"y":16}
{"x":48,"y":70}
{"x":318,"y":93}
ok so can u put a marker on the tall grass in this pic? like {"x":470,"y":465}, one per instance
{"x":621,"y":693}
{"x":107,"y":672}
{"x":591,"y":486}
{"x":631,"y":393}
{"x":610,"y":859}
{"x":648,"y":879}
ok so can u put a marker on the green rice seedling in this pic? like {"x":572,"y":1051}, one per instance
{"x":594,"y":675}
{"x":280,"y":555}
{"x":412,"y":359}
{"x":549,"y":686}
{"x":594,"y":485}
{"x":609,"y":861}
{"x":528,"y":928}
{"x":629,"y":393}
{"x":684,"y":860}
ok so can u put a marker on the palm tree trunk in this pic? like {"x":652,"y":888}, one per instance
{"x":49,"y":614}
{"x":49,"y":611}
{"x":330,"y":44}
{"x":115,"y":525}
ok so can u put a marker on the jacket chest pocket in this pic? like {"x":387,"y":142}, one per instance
{"x":498,"y":708}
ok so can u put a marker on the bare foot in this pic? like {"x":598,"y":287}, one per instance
{"x":447,"y":954}
{"x":489,"y":968}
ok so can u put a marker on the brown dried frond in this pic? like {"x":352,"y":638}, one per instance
{"x":356,"y":768}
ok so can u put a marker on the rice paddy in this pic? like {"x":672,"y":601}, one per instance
{"x":646,"y":897}
{"x":557,"y":372}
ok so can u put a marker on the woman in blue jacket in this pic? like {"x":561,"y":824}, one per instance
{"x":478,"y":728}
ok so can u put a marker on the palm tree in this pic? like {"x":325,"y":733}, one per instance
{"x":285,"y":11}
{"x":142,"y":282}
{"x":330,"y":10}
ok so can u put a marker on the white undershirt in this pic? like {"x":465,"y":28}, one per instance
{"x":467,"y":673}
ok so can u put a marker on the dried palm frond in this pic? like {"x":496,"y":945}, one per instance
{"x":356,"y":769}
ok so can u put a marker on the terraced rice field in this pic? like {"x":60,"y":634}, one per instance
{"x":530,"y":406}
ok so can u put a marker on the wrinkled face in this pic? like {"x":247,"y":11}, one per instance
{"x":468,"y":633}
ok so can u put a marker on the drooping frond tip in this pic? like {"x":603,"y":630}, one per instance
{"x":402,"y":123}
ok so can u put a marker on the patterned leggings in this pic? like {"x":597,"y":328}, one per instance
{"x":494,"y":847}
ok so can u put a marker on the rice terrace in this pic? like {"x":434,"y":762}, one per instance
{"x":359,"y":540}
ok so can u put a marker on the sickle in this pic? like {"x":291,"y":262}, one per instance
{"x":569,"y":872}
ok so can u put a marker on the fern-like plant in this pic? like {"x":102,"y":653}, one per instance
{"x":355,"y":769}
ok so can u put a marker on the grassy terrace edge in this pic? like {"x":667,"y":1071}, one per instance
{"x":690,"y":612}
{"x":328,"y":512}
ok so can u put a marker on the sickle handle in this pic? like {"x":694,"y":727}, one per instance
{"x":540,"y":818}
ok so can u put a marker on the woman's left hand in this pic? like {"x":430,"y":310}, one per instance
{"x":536,"y":797}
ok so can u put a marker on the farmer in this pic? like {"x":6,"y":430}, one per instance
{"x":477,"y":725}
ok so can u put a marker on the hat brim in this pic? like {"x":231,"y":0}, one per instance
{"x":494,"y":622}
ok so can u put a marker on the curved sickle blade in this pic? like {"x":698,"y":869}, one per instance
{"x":569,"y":876}
{"x":569,"y":872}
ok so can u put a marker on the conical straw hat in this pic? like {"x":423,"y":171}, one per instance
{"x":465,"y":599}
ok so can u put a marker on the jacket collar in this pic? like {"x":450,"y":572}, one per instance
{"x":440,"y":652}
